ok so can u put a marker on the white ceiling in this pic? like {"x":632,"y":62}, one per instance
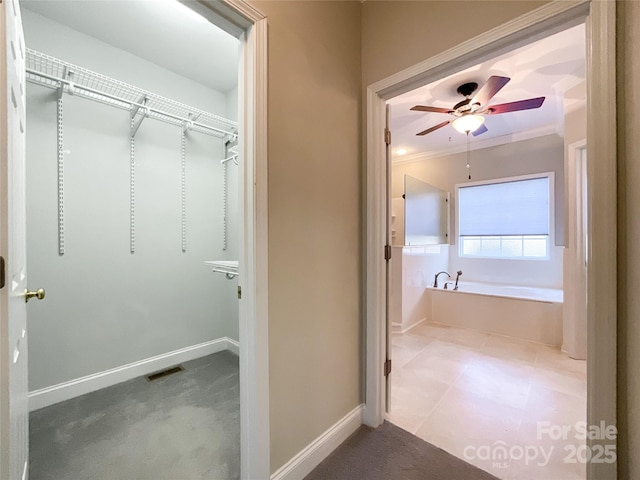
{"x":156,"y":30}
{"x":548,"y":68}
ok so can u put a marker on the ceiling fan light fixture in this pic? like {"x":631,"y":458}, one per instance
{"x":468,"y":123}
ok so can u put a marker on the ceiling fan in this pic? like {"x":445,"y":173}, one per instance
{"x":470,"y":112}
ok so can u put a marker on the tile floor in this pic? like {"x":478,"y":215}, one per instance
{"x":474,"y":394}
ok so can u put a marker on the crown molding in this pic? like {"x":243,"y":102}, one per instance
{"x":479,"y":145}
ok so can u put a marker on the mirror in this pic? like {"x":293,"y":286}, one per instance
{"x":426,"y":213}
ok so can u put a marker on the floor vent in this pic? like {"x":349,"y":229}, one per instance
{"x":164,"y":373}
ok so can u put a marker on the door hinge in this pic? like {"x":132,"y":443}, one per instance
{"x":239,"y":292}
{"x":1,"y":272}
{"x":387,"y":367}
{"x":387,"y":252}
{"x":387,"y":136}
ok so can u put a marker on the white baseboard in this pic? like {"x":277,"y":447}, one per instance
{"x":233,"y":345}
{"x":304,"y":462}
{"x":411,"y":327}
{"x":80,"y":386}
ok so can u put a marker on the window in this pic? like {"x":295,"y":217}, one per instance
{"x":506,"y":219}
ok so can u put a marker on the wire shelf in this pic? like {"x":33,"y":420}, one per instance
{"x":52,"y":72}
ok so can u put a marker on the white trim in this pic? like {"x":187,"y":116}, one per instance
{"x":375,"y":269}
{"x":233,"y":346}
{"x":412,"y":326}
{"x":233,"y":16}
{"x":396,"y":327}
{"x":90,"y":383}
{"x":477,"y":145}
{"x":601,"y":113}
{"x":306,"y":460}
{"x":255,"y":434}
{"x":602,"y":227}
{"x":251,"y":28}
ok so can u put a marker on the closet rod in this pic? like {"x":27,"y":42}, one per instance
{"x":128,"y":102}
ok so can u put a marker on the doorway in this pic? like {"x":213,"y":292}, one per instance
{"x":486,"y":336}
{"x":248,"y":25}
{"x":173,"y":183}
{"x":601,"y":303}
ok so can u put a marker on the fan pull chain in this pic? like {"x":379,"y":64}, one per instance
{"x":468,"y":155}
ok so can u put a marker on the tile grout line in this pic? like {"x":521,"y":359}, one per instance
{"x":432,"y":410}
{"x":445,"y":394}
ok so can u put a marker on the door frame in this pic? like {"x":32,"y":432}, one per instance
{"x":249,"y":25}
{"x":599,"y":18}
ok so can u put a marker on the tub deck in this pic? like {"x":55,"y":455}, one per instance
{"x":527,"y":313}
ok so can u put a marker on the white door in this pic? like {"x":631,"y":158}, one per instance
{"x":14,"y":420}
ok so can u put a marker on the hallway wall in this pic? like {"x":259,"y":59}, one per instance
{"x":399,"y":34}
{"x":315,"y":371}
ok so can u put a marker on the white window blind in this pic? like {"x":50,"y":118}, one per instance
{"x":519,"y":207}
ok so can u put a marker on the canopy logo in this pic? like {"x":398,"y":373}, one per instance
{"x":580,"y":443}
{"x":501,"y":453}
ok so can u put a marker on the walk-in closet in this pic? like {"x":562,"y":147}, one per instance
{"x":133,"y":232}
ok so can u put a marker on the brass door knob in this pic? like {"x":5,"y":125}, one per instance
{"x":39,"y":294}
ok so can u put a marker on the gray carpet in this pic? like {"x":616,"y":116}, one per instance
{"x":390,"y":453}
{"x":185,"y":426}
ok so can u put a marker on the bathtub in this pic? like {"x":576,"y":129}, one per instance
{"x":527,"y":313}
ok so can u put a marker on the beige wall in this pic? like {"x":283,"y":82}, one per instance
{"x":398,"y":34}
{"x":314,"y":219}
{"x":628,"y":235}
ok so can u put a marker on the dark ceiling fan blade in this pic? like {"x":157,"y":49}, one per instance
{"x":489,"y":89}
{"x":429,"y":130}
{"x":528,"y":104}
{"x":424,"y":108}
{"x":480,"y":130}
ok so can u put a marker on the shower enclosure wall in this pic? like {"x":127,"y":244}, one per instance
{"x":118,"y":229}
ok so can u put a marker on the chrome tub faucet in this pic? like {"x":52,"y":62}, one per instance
{"x":435,"y":280}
